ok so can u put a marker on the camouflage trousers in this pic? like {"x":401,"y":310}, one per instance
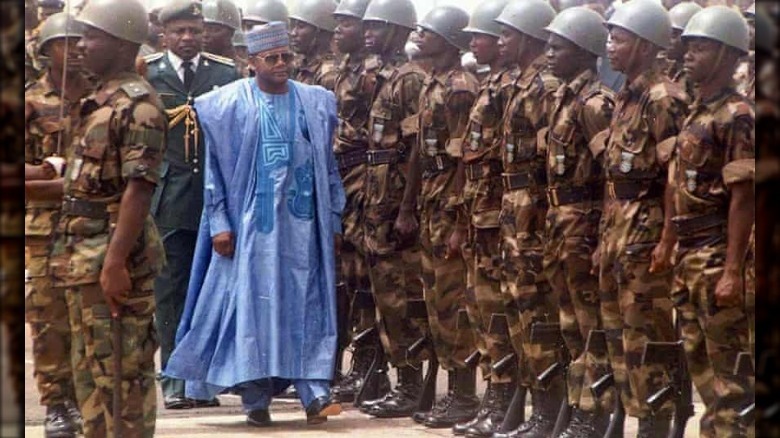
{"x":636,"y":309}
{"x":395,"y":282}
{"x":527,"y":295}
{"x":485,"y":302}
{"x":444,"y":285}
{"x":567,"y":266}
{"x":94,"y":360}
{"x":47,"y":313}
{"x":11,"y":271}
{"x":357,"y":313}
{"x":713,"y":337}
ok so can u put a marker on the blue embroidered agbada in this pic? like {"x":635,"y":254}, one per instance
{"x":269,"y":311}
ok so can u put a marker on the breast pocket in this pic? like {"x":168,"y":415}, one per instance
{"x":86,"y":170}
{"x":696,"y":155}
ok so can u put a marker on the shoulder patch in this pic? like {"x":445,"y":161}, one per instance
{"x":217,"y":58}
{"x":134,"y":89}
{"x":153,"y":57}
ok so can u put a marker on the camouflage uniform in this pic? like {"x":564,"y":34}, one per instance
{"x":316,"y":70}
{"x":354,"y":95}
{"x":676,"y":73}
{"x":32,"y":65}
{"x":482,"y":205}
{"x":394,"y":264}
{"x":526,"y":292}
{"x":45,"y":307}
{"x":445,"y":102}
{"x":745,"y":76}
{"x":121,"y":136}
{"x":583,"y":108}
{"x":714,"y":150}
{"x":635,"y":304}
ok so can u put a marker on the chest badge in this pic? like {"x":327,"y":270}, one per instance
{"x":431,"y":143}
{"x":379,"y":129}
{"x":626,"y":162}
{"x":510,"y":152}
{"x":560,"y":165}
{"x":690,"y":180}
{"x":476,"y":136}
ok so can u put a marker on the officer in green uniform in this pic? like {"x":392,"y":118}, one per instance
{"x":262,"y":12}
{"x":180,"y":74}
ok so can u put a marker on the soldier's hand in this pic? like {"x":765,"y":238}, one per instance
{"x":405,"y":224}
{"x":454,"y":243}
{"x":223,"y":244}
{"x":661,"y":257}
{"x":116,"y":285}
{"x":729,"y":292}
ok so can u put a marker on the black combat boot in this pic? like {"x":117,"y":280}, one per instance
{"x":349,"y":385}
{"x":419,"y":417}
{"x":586,"y":425}
{"x":58,"y":423}
{"x":546,"y":406}
{"x":499,"y":403}
{"x":75,"y":415}
{"x":462,"y":403}
{"x":653,"y":426}
{"x":403,"y":400}
{"x":536,"y":416}
{"x":575,"y":428}
{"x":460,"y":428}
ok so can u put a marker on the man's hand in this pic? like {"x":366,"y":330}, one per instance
{"x":729,"y":292}
{"x":223,"y":244}
{"x":406,"y":224}
{"x":116,"y":285}
{"x":454,"y":243}
{"x":661,"y":257}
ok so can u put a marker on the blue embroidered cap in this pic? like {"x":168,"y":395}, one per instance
{"x":268,"y":36}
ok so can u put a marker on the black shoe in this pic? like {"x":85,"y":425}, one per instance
{"x":459,"y":429}
{"x":653,"y":426}
{"x":403,"y":401}
{"x":213,"y":403}
{"x":586,"y":425}
{"x":498,"y":399}
{"x":58,"y":423}
{"x":177,"y":402}
{"x":75,"y":415}
{"x":419,"y":417}
{"x":320,"y":409}
{"x":546,"y":405}
{"x":461,"y":403}
{"x":259,"y":418}
{"x":367,"y":405}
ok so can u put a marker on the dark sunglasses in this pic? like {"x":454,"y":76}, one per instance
{"x":272,"y":60}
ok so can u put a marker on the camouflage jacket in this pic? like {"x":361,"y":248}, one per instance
{"x":120,"y":136}
{"x":445,"y":104}
{"x":583,"y":108}
{"x":715,"y":149}
{"x":316,"y":70}
{"x":354,"y":92}
{"x":745,"y":76}
{"x":646,"y":120}
{"x":526,"y":114}
{"x":43,"y":130}
{"x":677,"y":74}
{"x":32,"y":66}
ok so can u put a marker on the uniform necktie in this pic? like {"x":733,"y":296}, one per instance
{"x":189,"y":75}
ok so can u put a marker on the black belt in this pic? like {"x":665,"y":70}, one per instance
{"x":384,"y":156}
{"x":83,"y":208}
{"x":694,"y":225}
{"x":483,"y":169}
{"x":557,"y":196}
{"x":629,"y":190}
{"x":523,"y":180}
{"x":348,"y":160}
{"x":437,"y":164}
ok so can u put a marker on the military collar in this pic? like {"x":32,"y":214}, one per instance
{"x":353,"y":61}
{"x":528,"y":74}
{"x":576,"y":85}
{"x":642,"y":83}
{"x":716,"y":100}
{"x":176,"y":61}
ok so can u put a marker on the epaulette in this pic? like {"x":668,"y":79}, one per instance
{"x":217,"y":58}
{"x":153,"y":57}
{"x":134,"y":89}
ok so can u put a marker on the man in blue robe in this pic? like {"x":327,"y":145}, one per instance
{"x":260,"y":313}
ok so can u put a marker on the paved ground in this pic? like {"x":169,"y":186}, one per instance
{"x":227,"y":421}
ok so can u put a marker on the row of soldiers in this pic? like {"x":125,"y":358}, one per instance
{"x":517,"y":222}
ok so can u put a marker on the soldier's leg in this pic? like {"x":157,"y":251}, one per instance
{"x":472,"y":307}
{"x":647,"y":317}
{"x":139,"y":343}
{"x":170,"y":292}
{"x":725,"y":336}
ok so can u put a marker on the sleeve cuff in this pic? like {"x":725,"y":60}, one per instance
{"x":219,"y":223}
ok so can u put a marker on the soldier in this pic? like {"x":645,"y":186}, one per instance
{"x":111,"y":173}
{"x":710,"y":213}
{"x":221,"y":20}
{"x":436,"y":179}
{"x":679,"y":15}
{"x":526,"y":292}
{"x":32,"y":67}
{"x":354,"y":95}
{"x":311,"y":31}
{"x":635,"y":304}
{"x":45,"y":136}
{"x":263,"y":11}
{"x":180,"y":74}
{"x":49,"y":8}
{"x":583,"y":108}
{"x":393,"y":260}
{"x":481,"y":205}
{"x":745,"y":74}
